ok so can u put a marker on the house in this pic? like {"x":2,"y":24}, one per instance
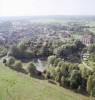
{"x":65,"y":34}
{"x":85,"y":56}
{"x":88,"y":39}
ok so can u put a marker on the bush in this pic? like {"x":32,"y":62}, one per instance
{"x":93,"y":91}
{"x":31,"y":69}
{"x":10,"y":61}
{"x":91,"y":85}
{"x":64,"y":69}
{"x":60,"y":63}
{"x":4,"y":61}
{"x":51,"y":59}
{"x":18,"y":66}
{"x":75,"y":79}
{"x":51,"y":71}
{"x":47,"y":75}
{"x":62,"y":81}
{"x":58,"y":74}
{"x":66,"y":82}
{"x":57,"y":60}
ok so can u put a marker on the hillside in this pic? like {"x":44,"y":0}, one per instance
{"x":17,"y":86}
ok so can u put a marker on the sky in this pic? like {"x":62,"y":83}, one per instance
{"x":46,"y":7}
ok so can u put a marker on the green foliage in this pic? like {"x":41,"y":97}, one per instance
{"x":4,"y":61}
{"x":31,"y":69}
{"x":10,"y":61}
{"x":91,"y":49}
{"x":92,"y":57}
{"x":67,"y":74}
{"x":70,"y":52}
{"x":51,"y":72}
{"x":15,"y":86}
{"x":75,"y":79}
{"x":64,"y":69}
{"x":60,"y":63}
{"x":19,"y":53}
{"x":22,"y":46}
{"x":57,"y":74}
{"x":85,"y":73}
{"x":93,"y":91}
{"x":62,"y":81}
{"x":79,"y":45}
{"x":13,"y":51}
{"x":47,"y":75}
{"x":51,"y":59}
{"x":18,"y":66}
{"x":46,"y":51}
{"x":58,"y":51}
{"x":91,"y":85}
{"x":3,"y":51}
{"x":56,"y":61}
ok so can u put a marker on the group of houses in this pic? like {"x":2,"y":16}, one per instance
{"x":88,"y":39}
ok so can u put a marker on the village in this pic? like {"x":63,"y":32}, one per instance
{"x":62,"y":54}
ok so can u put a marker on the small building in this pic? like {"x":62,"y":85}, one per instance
{"x":88,"y":39}
{"x":85,"y":56}
{"x":65,"y":34}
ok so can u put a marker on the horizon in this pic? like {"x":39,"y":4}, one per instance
{"x":50,"y":16}
{"x":47,"y":7}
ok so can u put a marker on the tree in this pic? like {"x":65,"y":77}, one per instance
{"x":47,"y":75}
{"x":72,"y":66}
{"x":92,"y":49}
{"x":22,"y":46}
{"x":93,"y":91}
{"x":19,"y":51}
{"x":10,"y":61}
{"x":31,"y":69}
{"x":4,"y":61}
{"x":92,"y":57}
{"x":70,"y":52}
{"x":91,"y":85}
{"x":75,"y":79}
{"x":57,"y":74}
{"x":79,"y":45}
{"x":13,"y":51}
{"x":59,"y":51}
{"x":64,"y":69}
{"x":18,"y":66}
{"x":51,"y":72}
{"x":45,"y":51}
{"x":62,"y":81}
{"x":85,"y":72}
{"x":57,"y":60}
{"x":60,"y":63}
{"x":51,"y":59}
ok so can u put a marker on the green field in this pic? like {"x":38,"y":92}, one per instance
{"x":17,"y":86}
